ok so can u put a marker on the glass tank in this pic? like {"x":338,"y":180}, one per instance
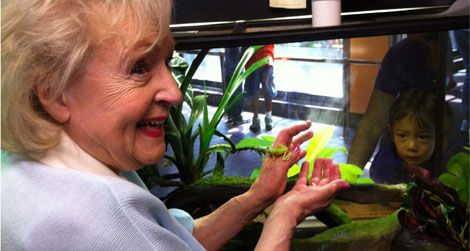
{"x":387,"y":92}
{"x":353,"y":82}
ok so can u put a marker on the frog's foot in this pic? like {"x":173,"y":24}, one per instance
{"x":286,"y":156}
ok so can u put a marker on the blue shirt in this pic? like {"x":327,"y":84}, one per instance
{"x":404,"y":67}
{"x":47,"y":208}
{"x":387,"y":167}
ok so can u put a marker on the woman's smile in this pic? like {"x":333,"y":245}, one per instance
{"x":152,"y":127}
{"x":120,"y":104}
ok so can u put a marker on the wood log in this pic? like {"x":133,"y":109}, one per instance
{"x":203,"y":198}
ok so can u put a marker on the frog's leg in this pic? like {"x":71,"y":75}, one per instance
{"x":286,"y":155}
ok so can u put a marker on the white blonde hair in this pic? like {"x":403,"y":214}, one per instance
{"x":48,"y":42}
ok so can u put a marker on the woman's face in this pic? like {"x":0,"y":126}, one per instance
{"x":119,"y":104}
{"x":414,"y":145}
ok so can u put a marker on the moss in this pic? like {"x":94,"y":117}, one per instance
{"x":375,"y":234}
{"x":360,"y":229}
{"x":222,"y":181}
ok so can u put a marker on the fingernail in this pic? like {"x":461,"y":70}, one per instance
{"x":344,"y":185}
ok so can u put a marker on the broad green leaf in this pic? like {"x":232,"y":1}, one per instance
{"x":364,"y":181}
{"x":318,"y":142}
{"x":348,"y":177}
{"x":449,"y":180}
{"x":350,"y":173}
{"x":457,"y":175}
{"x":255,"y":173}
{"x":459,"y":165}
{"x":350,"y":168}
{"x":178,"y":67}
{"x":328,"y":152}
{"x":463,"y":195}
{"x":269,"y":138}
{"x":253,"y":143}
{"x":294,"y":170}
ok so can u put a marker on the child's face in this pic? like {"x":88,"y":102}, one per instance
{"x":414,"y":144}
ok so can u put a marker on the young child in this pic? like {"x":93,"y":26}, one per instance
{"x":412,"y":125}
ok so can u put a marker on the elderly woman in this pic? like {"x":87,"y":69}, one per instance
{"x":86,"y":90}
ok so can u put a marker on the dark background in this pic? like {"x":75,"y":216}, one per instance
{"x":189,"y":11}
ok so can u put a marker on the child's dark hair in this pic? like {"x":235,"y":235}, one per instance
{"x":423,"y":105}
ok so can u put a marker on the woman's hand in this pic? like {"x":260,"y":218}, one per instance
{"x":306,"y":197}
{"x":212,"y":231}
{"x":272,"y":180}
{"x":309,"y":196}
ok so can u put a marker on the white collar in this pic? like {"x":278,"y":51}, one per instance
{"x":68,"y":155}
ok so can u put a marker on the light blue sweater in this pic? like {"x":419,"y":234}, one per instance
{"x":46,"y":208}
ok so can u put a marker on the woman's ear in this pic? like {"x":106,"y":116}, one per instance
{"x":55,"y":107}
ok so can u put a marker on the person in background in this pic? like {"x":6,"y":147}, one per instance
{"x":232,"y":57}
{"x":409,"y":64}
{"x":86,"y":91}
{"x":264,"y":77}
{"x":412,"y":126}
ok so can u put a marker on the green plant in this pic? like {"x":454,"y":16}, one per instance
{"x":317,"y":148}
{"x":183,"y":133}
{"x":457,"y":175}
{"x":439,"y":208}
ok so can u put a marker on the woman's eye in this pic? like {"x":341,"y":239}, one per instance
{"x":140,"y":68}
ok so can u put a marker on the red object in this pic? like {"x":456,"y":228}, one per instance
{"x":265,"y":51}
{"x":153,"y":132}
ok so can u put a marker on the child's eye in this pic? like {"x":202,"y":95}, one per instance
{"x":425,"y":137}
{"x":141,"y":67}
{"x":401,"y":135}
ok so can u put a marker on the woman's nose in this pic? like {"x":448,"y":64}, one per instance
{"x":169,"y":92}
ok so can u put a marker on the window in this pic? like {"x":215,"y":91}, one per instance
{"x":311,"y":68}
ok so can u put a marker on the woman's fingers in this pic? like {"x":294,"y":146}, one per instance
{"x":285,"y":135}
{"x":302,"y":180}
{"x":328,"y":191}
{"x":327,"y":163}
{"x":325,"y":171}
{"x":286,"y":138}
{"x":299,"y":140}
{"x":335,"y":173}
{"x":317,"y":171}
